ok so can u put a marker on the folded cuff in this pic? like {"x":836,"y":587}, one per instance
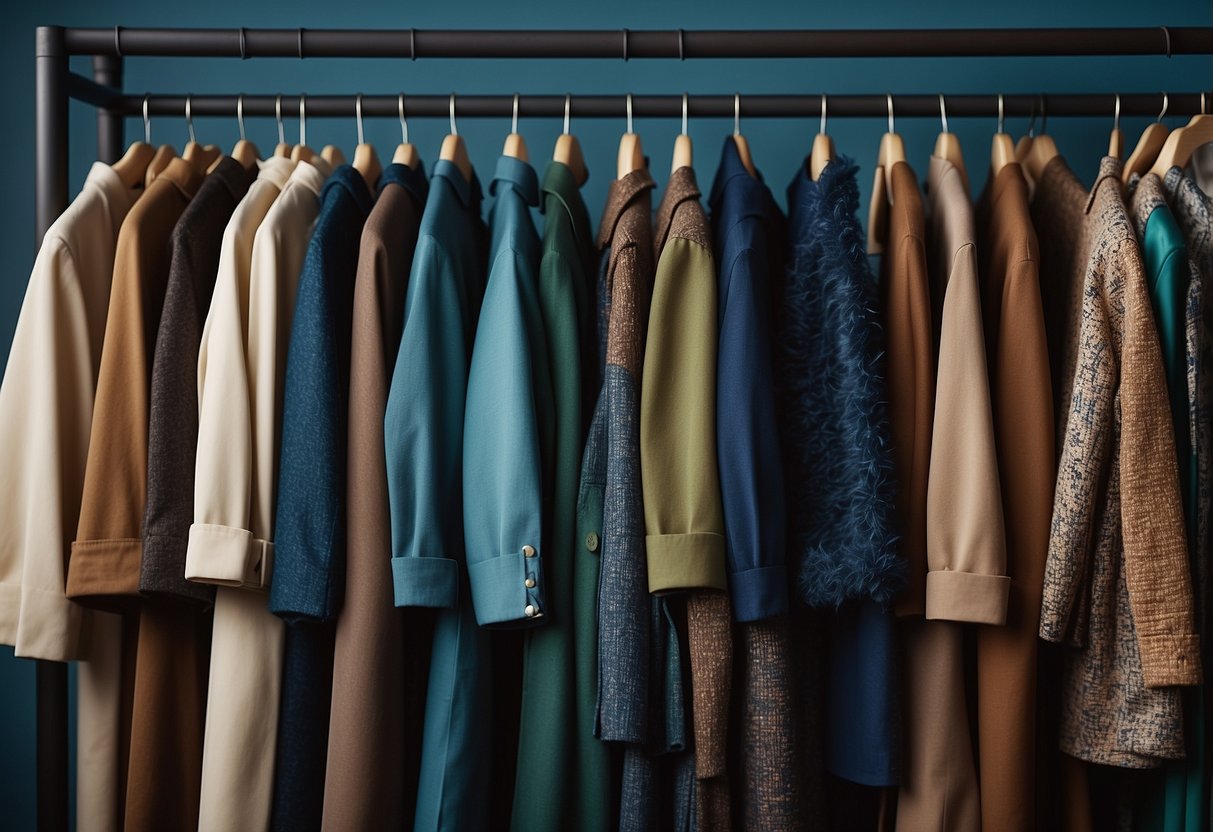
{"x":1170,"y":659}
{"x":500,"y":591}
{"x":49,"y":626}
{"x":228,"y":556}
{"x":686,"y":561}
{"x":759,"y":593}
{"x":967,"y":596}
{"x":163,"y":570}
{"x":105,"y":573}
{"x":426,"y":582}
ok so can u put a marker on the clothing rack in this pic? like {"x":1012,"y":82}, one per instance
{"x":55,"y":84}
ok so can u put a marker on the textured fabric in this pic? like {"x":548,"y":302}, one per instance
{"x":711,"y":648}
{"x":966,"y":549}
{"x":623,"y":614}
{"x":173,"y":420}
{"x":231,"y":541}
{"x":564,"y":771}
{"x":46,"y":409}
{"x":369,"y":741}
{"x":423,"y":434}
{"x":309,"y":568}
{"x":684,"y":521}
{"x":1116,"y":586}
{"x":507,"y":431}
{"x":833,"y":397}
{"x":1022,"y":398}
{"x":748,"y":235}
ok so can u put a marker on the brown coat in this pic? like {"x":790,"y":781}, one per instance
{"x":1117,"y":586}
{"x":1022,"y":398}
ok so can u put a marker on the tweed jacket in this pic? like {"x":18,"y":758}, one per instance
{"x":369,"y":740}
{"x":1117,"y":584}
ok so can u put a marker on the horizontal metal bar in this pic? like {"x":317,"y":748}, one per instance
{"x":640,"y":43}
{"x":643,"y":106}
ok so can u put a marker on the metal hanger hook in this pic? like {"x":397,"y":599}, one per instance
{"x":889,"y":100}
{"x":684,"y":114}
{"x":1002,"y":114}
{"x":943,"y":113}
{"x":736,"y":114}
{"x":1044,"y":115}
{"x":404,"y":124}
{"x":278,"y":118}
{"x":147,"y":122}
{"x":629,"y":110}
{"x":1203,"y":111}
{"x":1032,"y":120}
{"x":1116,"y":114}
{"x":240,"y":114}
{"x":189,"y":117}
{"x":514,"y":118}
{"x":568,"y":103}
{"x":303,"y":118}
{"x":822,"y":130}
{"x":1166,"y":101}
{"x":454,"y":129}
{"x":358,"y":116}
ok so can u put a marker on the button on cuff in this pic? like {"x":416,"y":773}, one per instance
{"x":507,"y":590}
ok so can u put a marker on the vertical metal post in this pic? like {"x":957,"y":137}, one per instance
{"x":107,"y":70}
{"x":50,"y":199}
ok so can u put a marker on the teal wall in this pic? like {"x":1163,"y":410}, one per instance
{"x":777,"y":145}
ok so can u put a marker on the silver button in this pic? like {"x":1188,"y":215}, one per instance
{"x":529,"y":583}
{"x":591,"y":542}
{"x":530,"y":610}
{"x":528,"y":551}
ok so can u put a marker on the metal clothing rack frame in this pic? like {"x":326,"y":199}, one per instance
{"x":55,"y":84}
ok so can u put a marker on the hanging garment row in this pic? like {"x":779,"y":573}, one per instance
{"x":359,"y":513}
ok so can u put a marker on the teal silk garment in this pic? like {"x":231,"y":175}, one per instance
{"x":423,"y":441}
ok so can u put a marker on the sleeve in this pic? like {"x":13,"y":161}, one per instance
{"x":1084,"y":441}
{"x":710,"y":639}
{"x":423,"y":440}
{"x":46,"y":405}
{"x":221,"y":549}
{"x":502,"y":469}
{"x":684,"y":521}
{"x":1157,"y":569}
{"x":966,"y":545}
{"x":747,"y":445}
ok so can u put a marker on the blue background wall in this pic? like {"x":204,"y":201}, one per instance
{"x":778,"y":146}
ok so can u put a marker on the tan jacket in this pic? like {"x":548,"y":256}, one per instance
{"x":240,"y":382}
{"x":46,"y":410}
{"x":1117,"y":584}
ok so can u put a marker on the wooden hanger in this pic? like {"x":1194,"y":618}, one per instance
{"x":164,"y":154}
{"x":1116,"y":141}
{"x":1148,"y":146}
{"x":631,"y":154}
{"x":515,"y":145}
{"x":453,"y":148}
{"x":199,"y":156}
{"x":301,"y":152}
{"x":683,"y":156}
{"x":1181,"y":144}
{"x":892,"y":151}
{"x":366,"y":160}
{"x":823,"y":147}
{"x":568,"y":150}
{"x":332,"y":154}
{"x":1002,"y":151}
{"x":743,"y":146}
{"x":406,"y":153}
{"x":244,"y":152}
{"x":947,"y":145}
{"x":1024,"y":144}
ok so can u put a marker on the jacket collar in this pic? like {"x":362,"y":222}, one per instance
{"x":1110,"y":168}
{"x":750,"y":192}
{"x":350,"y":180}
{"x":621,"y":194}
{"x":411,"y":179}
{"x":681,"y":188}
{"x":232,"y":175}
{"x":468,"y":191}
{"x":183,"y":176}
{"x":559,"y":183}
{"x":519,"y":175}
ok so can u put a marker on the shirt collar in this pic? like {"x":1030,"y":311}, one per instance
{"x":1110,"y":167}
{"x":559,"y":183}
{"x":681,"y":187}
{"x":411,"y":179}
{"x":620,"y":195}
{"x":520,"y":175}
{"x":350,"y":180}
{"x":275,"y":170}
{"x":730,"y":169}
{"x":468,"y":191}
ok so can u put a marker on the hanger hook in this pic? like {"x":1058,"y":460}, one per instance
{"x":147,"y":122}
{"x":823,"y":114}
{"x":404,"y":124}
{"x":514,"y":118}
{"x":1202,"y":104}
{"x":629,"y":109}
{"x":684,"y":114}
{"x":454,"y":129}
{"x":943,"y":113}
{"x":736,"y":114}
{"x":189,"y":116}
{"x":278,"y":118}
{"x":568,"y":103}
{"x":625,"y":46}
{"x":358,"y":116}
{"x":1044,"y":115}
{"x":303,"y":118}
{"x":1167,"y":34}
{"x":1116,"y":114}
{"x":240,"y":114}
{"x":1032,"y":120}
{"x":889,"y":101}
{"x":1166,"y":100}
{"x":1002,"y":114}
{"x":682,"y":55}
